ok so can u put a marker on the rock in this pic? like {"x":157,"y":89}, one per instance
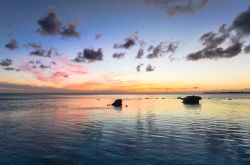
{"x":179,"y":98}
{"x":191,"y":100}
{"x":117,"y":103}
{"x":230,"y":99}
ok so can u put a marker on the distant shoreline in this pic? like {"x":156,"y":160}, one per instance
{"x":226,"y":93}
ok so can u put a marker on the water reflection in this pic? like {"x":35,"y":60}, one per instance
{"x":77,"y":130}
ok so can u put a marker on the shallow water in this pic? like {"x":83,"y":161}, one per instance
{"x":81,"y":129}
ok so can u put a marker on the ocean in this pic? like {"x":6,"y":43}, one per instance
{"x":152,"y":129}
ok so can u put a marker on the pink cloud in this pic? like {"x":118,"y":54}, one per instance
{"x":60,"y":69}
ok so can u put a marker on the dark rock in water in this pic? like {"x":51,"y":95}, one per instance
{"x":191,"y":100}
{"x":117,"y":103}
{"x":163,"y":98}
{"x":230,"y":99}
{"x":179,"y":98}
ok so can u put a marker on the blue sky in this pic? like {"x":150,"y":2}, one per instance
{"x":115,"y":21}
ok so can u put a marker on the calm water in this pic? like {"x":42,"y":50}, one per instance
{"x":81,"y":129}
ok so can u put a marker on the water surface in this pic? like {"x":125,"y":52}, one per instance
{"x":81,"y":129}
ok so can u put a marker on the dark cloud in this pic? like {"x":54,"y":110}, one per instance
{"x":98,"y":36}
{"x":242,"y":22}
{"x":233,"y":36}
{"x":172,"y":46}
{"x":6,"y":62}
{"x":118,"y":55}
{"x":151,"y":47}
{"x":229,"y":52}
{"x":89,"y":55}
{"x":138,"y":67}
{"x":150,"y":68}
{"x":50,"y":25}
{"x":128,"y":42}
{"x":79,"y":58}
{"x":247,"y":49}
{"x":178,"y":6}
{"x":162,"y":49}
{"x":92,"y":55}
{"x":41,"y":53}
{"x":140,"y":53}
{"x":12,"y":44}
{"x":42,"y":66}
{"x":70,"y":31}
{"x":212,"y":40}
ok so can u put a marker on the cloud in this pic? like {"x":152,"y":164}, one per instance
{"x":70,"y":31}
{"x":12,"y":44}
{"x":138,"y":67}
{"x":33,"y":45}
{"x":56,"y":73}
{"x":118,"y":55}
{"x":6,"y":62}
{"x":128,"y":42}
{"x":232,"y":36}
{"x":150,"y":68}
{"x":242,"y":22}
{"x":50,"y":25}
{"x":247,"y":49}
{"x":99,"y":36}
{"x":151,"y":47}
{"x":172,"y":46}
{"x":42,"y":52}
{"x":229,"y":52}
{"x":162,"y":49}
{"x":25,"y":88}
{"x":140,"y":53}
{"x":178,"y":7}
{"x":42,"y":66}
{"x":89,"y":55}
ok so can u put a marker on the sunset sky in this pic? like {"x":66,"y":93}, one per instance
{"x":124,"y":45}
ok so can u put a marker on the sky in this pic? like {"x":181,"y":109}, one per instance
{"x":124,"y":46}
